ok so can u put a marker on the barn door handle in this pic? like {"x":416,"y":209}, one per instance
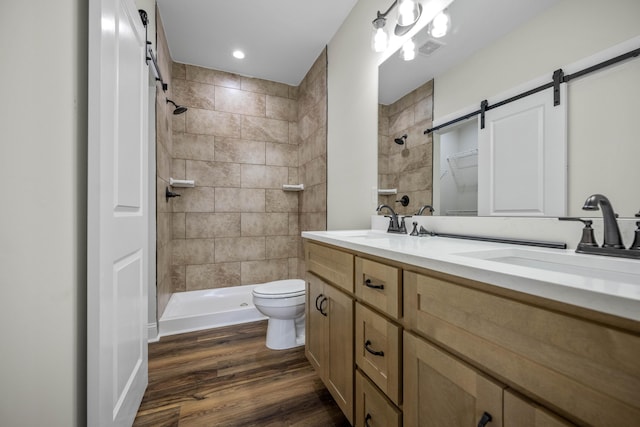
{"x":486,"y":418}
{"x":374,"y":352}
{"x":368,"y":284}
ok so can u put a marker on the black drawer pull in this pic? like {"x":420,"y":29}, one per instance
{"x":321,"y":308}
{"x":486,"y":418}
{"x":374,"y":352}
{"x":368,"y":284}
{"x":366,"y":420}
{"x":317,"y":298}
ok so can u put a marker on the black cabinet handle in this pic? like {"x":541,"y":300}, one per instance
{"x":486,"y":418}
{"x":368,"y":284}
{"x":317,"y":298}
{"x":374,"y":352}
{"x":366,"y":420}
{"x":324,"y":300}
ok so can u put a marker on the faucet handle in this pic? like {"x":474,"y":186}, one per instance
{"x":404,"y":200}
{"x":414,"y":232}
{"x":636,"y":241}
{"x":588,"y":239}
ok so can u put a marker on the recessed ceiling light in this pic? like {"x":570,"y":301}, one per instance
{"x":238,"y":54}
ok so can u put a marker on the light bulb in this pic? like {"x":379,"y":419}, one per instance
{"x":379,"y":40}
{"x":440,"y":25}
{"x":408,"y":12}
{"x":408,"y":50}
{"x":238,"y":54}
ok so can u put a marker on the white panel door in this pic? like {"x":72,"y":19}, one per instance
{"x":522,"y":159}
{"x":118,"y":215}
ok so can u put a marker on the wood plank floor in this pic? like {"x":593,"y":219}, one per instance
{"x":227,"y":377}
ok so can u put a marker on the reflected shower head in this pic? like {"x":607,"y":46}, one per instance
{"x":401,"y":140}
{"x":179,"y":109}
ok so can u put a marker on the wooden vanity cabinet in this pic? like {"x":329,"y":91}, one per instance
{"x":373,"y":409}
{"x":329,"y":321}
{"x":329,"y":340}
{"x":457,"y":352}
{"x":521,"y":412}
{"x":583,"y":370}
{"x":379,"y":285}
{"x":440,"y":390}
{"x":377,"y":346}
{"x":334,"y":266}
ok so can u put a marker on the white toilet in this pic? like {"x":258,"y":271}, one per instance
{"x":283,"y":303}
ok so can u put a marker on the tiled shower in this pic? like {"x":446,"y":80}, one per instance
{"x":240,"y":141}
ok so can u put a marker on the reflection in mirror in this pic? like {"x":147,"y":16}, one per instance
{"x":602,"y":146}
{"x":406,"y":169}
{"x":403,"y":84}
{"x":455,"y":189}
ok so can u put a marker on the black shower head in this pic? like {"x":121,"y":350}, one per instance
{"x":179,"y":109}
{"x":401,"y":140}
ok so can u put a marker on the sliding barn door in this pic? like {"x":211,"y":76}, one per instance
{"x":522,"y":160}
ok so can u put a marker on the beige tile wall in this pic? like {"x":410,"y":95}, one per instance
{"x":312,"y":133}
{"x":238,"y":142}
{"x":406,"y":167}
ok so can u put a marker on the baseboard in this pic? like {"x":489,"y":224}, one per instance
{"x":152,"y":332}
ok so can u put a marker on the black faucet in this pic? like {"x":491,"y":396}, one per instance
{"x":612,"y":238}
{"x":613,"y":245}
{"x":394,"y":225}
{"x":424,"y":208}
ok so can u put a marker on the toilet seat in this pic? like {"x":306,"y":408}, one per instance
{"x":280,"y":289}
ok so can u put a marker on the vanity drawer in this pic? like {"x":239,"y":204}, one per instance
{"x":372,"y":407}
{"x":576,"y":367}
{"x":380,"y":285}
{"x":377,"y":346}
{"x":333,"y":265}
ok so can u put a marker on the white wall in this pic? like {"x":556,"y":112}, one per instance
{"x":603,"y":107}
{"x":42,"y":219}
{"x":352,"y":130}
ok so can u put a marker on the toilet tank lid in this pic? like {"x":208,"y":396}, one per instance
{"x":281,"y":287}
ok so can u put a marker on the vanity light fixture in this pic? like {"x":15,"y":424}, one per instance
{"x":380,"y":40}
{"x":408,"y":50}
{"x":409,"y":12}
{"x":440,"y":25}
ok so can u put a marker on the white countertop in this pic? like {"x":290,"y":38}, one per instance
{"x":605,"y":284}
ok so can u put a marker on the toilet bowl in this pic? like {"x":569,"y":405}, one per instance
{"x":283,"y":303}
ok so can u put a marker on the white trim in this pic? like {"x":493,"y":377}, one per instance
{"x":152,"y":332}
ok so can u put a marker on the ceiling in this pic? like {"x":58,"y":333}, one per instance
{"x":281,"y":38}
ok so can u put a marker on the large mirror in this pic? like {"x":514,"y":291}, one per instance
{"x":429,"y":168}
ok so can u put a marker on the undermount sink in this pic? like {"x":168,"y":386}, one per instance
{"x":597,"y":267}
{"x":361,"y":234}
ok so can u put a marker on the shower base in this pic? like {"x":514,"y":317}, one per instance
{"x":209,"y":308}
